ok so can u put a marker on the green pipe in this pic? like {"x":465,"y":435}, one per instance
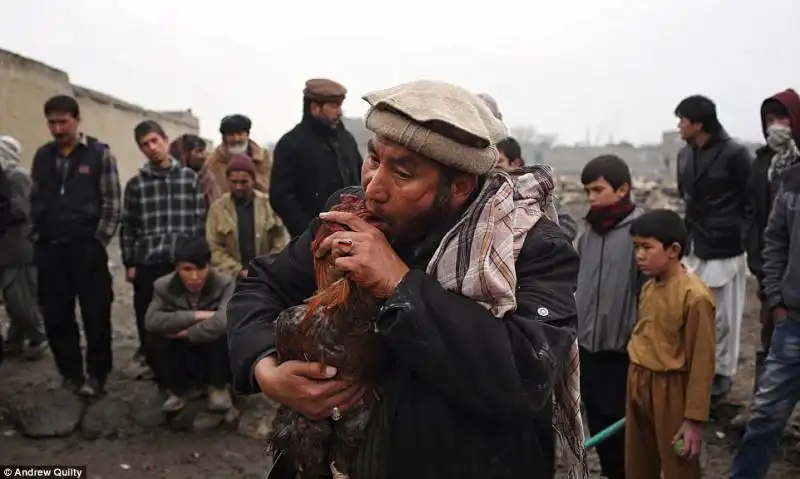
{"x":604,"y":434}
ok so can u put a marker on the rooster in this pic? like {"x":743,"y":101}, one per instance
{"x":334,"y":327}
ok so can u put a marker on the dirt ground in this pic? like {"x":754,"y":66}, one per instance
{"x":224,"y":451}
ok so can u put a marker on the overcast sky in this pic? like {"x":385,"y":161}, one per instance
{"x":577,"y":68}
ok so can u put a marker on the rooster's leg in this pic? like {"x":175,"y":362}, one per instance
{"x":305,"y":442}
{"x":349,"y":435}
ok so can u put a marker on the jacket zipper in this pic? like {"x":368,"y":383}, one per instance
{"x":599,"y":281}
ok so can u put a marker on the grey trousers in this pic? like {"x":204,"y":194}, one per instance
{"x":18,"y":288}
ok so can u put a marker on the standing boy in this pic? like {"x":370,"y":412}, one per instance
{"x":779,"y":385}
{"x":672,"y":356}
{"x":163,"y":203}
{"x":608,"y":289}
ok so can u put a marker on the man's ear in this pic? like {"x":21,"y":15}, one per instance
{"x":624,"y":190}
{"x":462,"y":187}
{"x":675,"y":249}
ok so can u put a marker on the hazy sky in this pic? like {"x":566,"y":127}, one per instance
{"x":608,"y":67}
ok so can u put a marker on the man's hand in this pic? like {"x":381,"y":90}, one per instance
{"x":692,"y":434}
{"x":308,"y":388}
{"x":130,"y":274}
{"x":243,"y":273}
{"x":203,"y":315}
{"x":179,"y":335}
{"x":363,"y":254}
{"x":779,"y":313}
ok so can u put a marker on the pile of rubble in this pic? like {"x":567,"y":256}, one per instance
{"x":650,"y":194}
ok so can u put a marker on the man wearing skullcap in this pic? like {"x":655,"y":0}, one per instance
{"x":241,"y":224}
{"x":479,"y":315}
{"x":315,"y":158}
{"x":235,"y":131}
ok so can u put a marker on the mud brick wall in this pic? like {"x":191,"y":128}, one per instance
{"x":25,"y":85}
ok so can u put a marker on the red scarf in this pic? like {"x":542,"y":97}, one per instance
{"x":603,"y":219}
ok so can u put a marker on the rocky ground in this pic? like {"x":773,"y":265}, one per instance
{"x":125,"y":434}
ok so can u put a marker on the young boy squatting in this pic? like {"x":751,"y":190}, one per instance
{"x":672,"y":355}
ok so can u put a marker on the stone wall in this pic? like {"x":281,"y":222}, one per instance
{"x":25,"y":85}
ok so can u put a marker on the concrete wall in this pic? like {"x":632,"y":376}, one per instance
{"x":26,"y":84}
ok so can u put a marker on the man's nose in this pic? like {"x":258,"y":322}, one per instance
{"x":375,"y":190}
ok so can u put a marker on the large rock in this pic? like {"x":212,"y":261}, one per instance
{"x":146,"y":410}
{"x":50,"y":414}
{"x":257,"y":415}
{"x":103,"y":418}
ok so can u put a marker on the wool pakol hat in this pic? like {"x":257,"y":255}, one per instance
{"x":440,"y":121}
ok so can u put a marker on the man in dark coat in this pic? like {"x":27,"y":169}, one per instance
{"x":314,"y":159}
{"x":475,"y":360}
{"x":780,"y":121}
{"x":75,"y":211}
{"x":713,"y":171}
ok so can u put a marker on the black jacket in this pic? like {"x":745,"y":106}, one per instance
{"x":310,"y":163}
{"x":80,"y":203}
{"x":760,"y":196}
{"x":712,"y":180}
{"x":467,"y":395}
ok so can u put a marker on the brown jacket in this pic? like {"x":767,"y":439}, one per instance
{"x":217,"y":163}
{"x":222,"y":232}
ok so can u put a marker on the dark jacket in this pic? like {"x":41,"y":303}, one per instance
{"x":782,"y":246}
{"x":761,"y":189}
{"x":712,"y":180}
{"x":16,"y":247}
{"x":83,"y":203}
{"x":311,"y":162}
{"x":171,"y":312}
{"x":467,"y":395}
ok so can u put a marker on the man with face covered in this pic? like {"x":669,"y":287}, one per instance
{"x":235,"y":131}
{"x":315,"y":158}
{"x":780,"y":120}
{"x":479,"y":315}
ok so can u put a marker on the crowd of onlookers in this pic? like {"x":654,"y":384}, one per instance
{"x":660,"y":353}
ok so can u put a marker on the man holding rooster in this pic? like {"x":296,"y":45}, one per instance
{"x":478,"y":316}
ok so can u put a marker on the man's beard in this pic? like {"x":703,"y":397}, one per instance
{"x":242,"y":196}
{"x":238,"y":148}
{"x":330,"y":123}
{"x":437,"y":219}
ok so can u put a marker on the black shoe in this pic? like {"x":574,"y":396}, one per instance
{"x":92,"y":387}
{"x":34,"y":351}
{"x":72,"y":385}
{"x":12,"y":350}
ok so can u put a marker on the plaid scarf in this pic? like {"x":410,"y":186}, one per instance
{"x":476,"y":259}
{"x":780,"y":140}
